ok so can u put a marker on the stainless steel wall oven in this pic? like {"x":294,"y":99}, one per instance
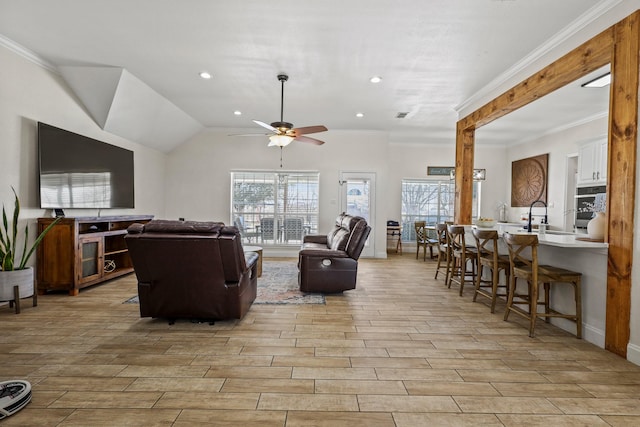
{"x":586,"y":198}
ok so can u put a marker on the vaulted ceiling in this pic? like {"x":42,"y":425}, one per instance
{"x":432,"y":55}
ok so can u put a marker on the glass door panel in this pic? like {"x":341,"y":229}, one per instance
{"x":358,"y":199}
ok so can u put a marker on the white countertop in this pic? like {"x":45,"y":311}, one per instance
{"x":551,"y":238}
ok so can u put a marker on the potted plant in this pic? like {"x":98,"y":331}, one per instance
{"x":13,"y":269}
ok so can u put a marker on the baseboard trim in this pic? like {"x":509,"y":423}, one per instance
{"x":633,"y":353}
{"x":593,"y":335}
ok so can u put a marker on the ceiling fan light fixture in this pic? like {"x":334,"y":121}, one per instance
{"x":280,"y":140}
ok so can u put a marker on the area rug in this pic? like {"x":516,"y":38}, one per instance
{"x":278,"y":285}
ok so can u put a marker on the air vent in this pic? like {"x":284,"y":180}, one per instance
{"x":402,"y":115}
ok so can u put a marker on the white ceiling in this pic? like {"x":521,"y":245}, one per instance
{"x":433,"y":55}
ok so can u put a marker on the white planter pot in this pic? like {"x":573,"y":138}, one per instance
{"x":22,"y":278}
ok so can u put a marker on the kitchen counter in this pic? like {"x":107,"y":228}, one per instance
{"x":551,"y":238}
{"x":562,"y":249}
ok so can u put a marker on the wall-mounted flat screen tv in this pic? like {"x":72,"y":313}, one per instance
{"x":80,"y":172}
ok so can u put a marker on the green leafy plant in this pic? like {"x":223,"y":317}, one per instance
{"x":9,"y":237}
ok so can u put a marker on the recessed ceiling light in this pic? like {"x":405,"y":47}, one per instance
{"x":359,"y":114}
{"x":205,"y":75}
{"x":375,"y":79}
{"x":237,"y":113}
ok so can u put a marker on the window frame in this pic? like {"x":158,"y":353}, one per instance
{"x":292,"y":200}
{"x":407,"y":220}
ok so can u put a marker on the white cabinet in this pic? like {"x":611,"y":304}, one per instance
{"x":592,"y":162}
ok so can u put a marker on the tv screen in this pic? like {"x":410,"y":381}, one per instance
{"x":80,"y":172}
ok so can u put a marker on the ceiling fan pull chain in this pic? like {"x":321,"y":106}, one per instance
{"x":281,"y":157}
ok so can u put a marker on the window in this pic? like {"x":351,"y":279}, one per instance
{"x":275,"y":208}
{"x":430,"y":201}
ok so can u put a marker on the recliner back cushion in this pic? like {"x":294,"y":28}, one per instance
{"x":340,"y":240}
{"x":358,"y":239}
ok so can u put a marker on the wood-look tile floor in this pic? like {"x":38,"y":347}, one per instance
{"x":400,"y":350}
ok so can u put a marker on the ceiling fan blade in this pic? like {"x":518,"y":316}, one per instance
{"x":308,"y":139}
{"x":265,"y":125}
{"x":249,"y":134}
{"x":309,"y":129}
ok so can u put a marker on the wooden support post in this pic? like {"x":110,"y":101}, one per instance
{"x":621,"y":175}
{"x":464,"y":175}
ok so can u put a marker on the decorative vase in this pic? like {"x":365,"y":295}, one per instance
{"x":22,"y":278}
{"x":596,"y":226}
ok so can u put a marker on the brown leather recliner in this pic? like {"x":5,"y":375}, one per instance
{"x":329,"y":262}
{"x":192,"y":270}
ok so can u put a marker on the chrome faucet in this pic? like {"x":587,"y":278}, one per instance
{"x":544,"y":221}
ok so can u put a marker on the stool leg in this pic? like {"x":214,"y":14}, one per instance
{"x":463,"y":271}
{"x":478,"y":282}
{"x":454,"y":270}
{"x":512,"y":287}
{"x":533,"y":308}
{"x":447,"y":276}
{"x":438,"y":265}
{"x":494,"y":286}
{"x":578,"y":295}
{"x":546,"y":303}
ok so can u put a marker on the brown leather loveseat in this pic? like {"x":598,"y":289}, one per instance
{"x":192,"y":270}
{"x":329,"y":262}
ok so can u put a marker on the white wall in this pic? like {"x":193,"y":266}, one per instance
{"x":29,"y":93}
{"x":410,"y":161}
{"x":559,"y":146}
{"x":198,"y":172}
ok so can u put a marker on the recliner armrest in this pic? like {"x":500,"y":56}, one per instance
{"x":315,"y":238}
{"x":324,"y":253}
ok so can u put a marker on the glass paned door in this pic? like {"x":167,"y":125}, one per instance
{"x":358,"y":199}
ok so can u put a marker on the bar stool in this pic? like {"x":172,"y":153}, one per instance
{"x":444,"y":256}
{"x":461,"y":255}
{"x":423,"y":240}
{"x":535,"y":274}
{"x":487,"y":247}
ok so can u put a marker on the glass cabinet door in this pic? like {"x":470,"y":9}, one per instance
{"x":91,"y":259}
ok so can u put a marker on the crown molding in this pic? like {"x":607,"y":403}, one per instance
{"x":27,"y":54}
{"x":558,"y":39}
{"x":561,"y":128}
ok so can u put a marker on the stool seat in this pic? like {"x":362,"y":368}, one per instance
{"x":527,"y":268}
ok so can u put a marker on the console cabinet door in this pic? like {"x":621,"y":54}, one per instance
{"x":91,"y":259}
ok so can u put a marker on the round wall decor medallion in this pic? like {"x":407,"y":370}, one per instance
{"x":529,"y":180}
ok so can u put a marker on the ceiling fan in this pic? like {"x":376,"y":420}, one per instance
{"x":283,"y":132}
